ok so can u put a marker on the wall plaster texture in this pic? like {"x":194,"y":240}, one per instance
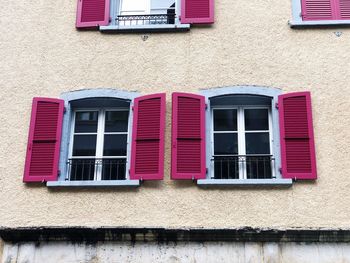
{"x":42,"y":54}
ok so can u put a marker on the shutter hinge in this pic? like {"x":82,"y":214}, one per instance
{"x":132,"y":108}
{"x":206,"y":170}
{"x":58,"y":172}
{"x":276,"y":105}
{"x":206,"y":106}
{"x":280,"y":170}
{"x":64,"y":110}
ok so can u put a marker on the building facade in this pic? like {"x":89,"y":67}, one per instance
{"x":175,"y":131}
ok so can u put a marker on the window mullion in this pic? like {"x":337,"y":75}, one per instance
{"x":99,"y":145}
{"x":241,"y":143}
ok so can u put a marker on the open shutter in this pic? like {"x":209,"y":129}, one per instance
{"x":147,"y":153}
{"x":344,"y":9}
{"x":297,"y":136}
{"x":44,"y":140}
{"x":188,"y":136}
{"x":318,"y":10}
{"x":197,"y":11}
{"x":92,"y":13}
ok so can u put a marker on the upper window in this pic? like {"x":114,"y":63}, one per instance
{"x":149,"y":15}
{"x":242,"y":135}
{"x":103,"y":137}
{"x":241,"y":145}
{"x":99,"y":145}
{"x":318,"y":12}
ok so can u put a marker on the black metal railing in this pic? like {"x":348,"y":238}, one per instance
{"x":254,"y":166}
{"x":91,"y":169}
{"x":156,"y":19}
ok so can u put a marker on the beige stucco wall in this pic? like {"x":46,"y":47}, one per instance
{"x":251,"y":43}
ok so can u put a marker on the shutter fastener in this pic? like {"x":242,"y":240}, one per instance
{"x":276,"y":105}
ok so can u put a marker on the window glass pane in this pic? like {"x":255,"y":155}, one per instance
{"x":259,"y":167}
{"x":113,"y":169}
{"x":84,"y":145}
{"x":256,"y":119}
{"x":86,"y":121}
{"x":225,"y":143}
{"x":257,"y":143}
{"x":116,"y":121}
{"x":225,"y":120}
{"x":226,"y":168}
{"x":82,"y":169}
{"x":115,"y":145}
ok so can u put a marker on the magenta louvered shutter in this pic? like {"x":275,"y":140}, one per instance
{"x":92,"y":13}
{"x":318,"y":10}
{"x":297,"y":136}
{"x":44,"y":140}
{"x":188,"y":136}
{"x":147,"y":150}
{"x":197,"y":11}
{"x":344,"y":9}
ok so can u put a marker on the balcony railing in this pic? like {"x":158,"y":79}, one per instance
{"x":96,"y":169}
{"x":243,"y":166}
{"x":155,"y":19}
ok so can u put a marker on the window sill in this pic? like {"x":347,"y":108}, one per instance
{"x":145,"y":28}
{"x":114,"y":183}
{"x":241,"y":182}
{"x":323,"y":23}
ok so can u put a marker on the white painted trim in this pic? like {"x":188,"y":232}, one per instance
{"x":244,"y":182}
{"x":109,"y":183}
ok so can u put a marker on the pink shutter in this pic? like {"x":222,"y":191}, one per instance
{"x":188,"y":137}
{"x":44,"y":140}
{"x":344,"y":9}
{"x":318,"y":10}
{"x":297,"y":136}
{"x":147,"y":153}
{"x":197,"y":11}
{"x":92,"y":13}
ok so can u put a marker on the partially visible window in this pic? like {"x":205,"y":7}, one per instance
{"x":98,"y":145}
{"x":241,"y":145}
{"x":320,"y":12}
{"x":144,"y":12}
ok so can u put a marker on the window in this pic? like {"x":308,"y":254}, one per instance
{"x":241,"y":145}
{"x":320,"y":12}
{"x":100,"y":137}
{"x":242,"y":135}
{"x":144,"y":15}
{"x":99,"y":145}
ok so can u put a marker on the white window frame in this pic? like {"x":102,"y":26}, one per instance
{"x":99,"y":139}
{"x":297,"y":20}
{"x":241,"y":136}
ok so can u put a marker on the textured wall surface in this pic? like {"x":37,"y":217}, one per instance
{"x":56,"y":252}
{"x":251,"y":43}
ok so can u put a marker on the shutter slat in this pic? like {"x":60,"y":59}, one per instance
{"x":344,"y":9}
{"x":44,"y":140}
{"x":188,"y":136}
{"x":197,"y":11}
{"x":147,"y":154}
{"x":92,"y":13}
{"x":297,"y":137}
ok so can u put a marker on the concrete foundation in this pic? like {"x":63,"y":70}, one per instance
{"x":207,"y":252}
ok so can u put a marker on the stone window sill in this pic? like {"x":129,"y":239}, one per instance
{"x":114,"y":183}
{"x":242,"y":182}
{"x":320,"y":23}
{"x":144,"y":28}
